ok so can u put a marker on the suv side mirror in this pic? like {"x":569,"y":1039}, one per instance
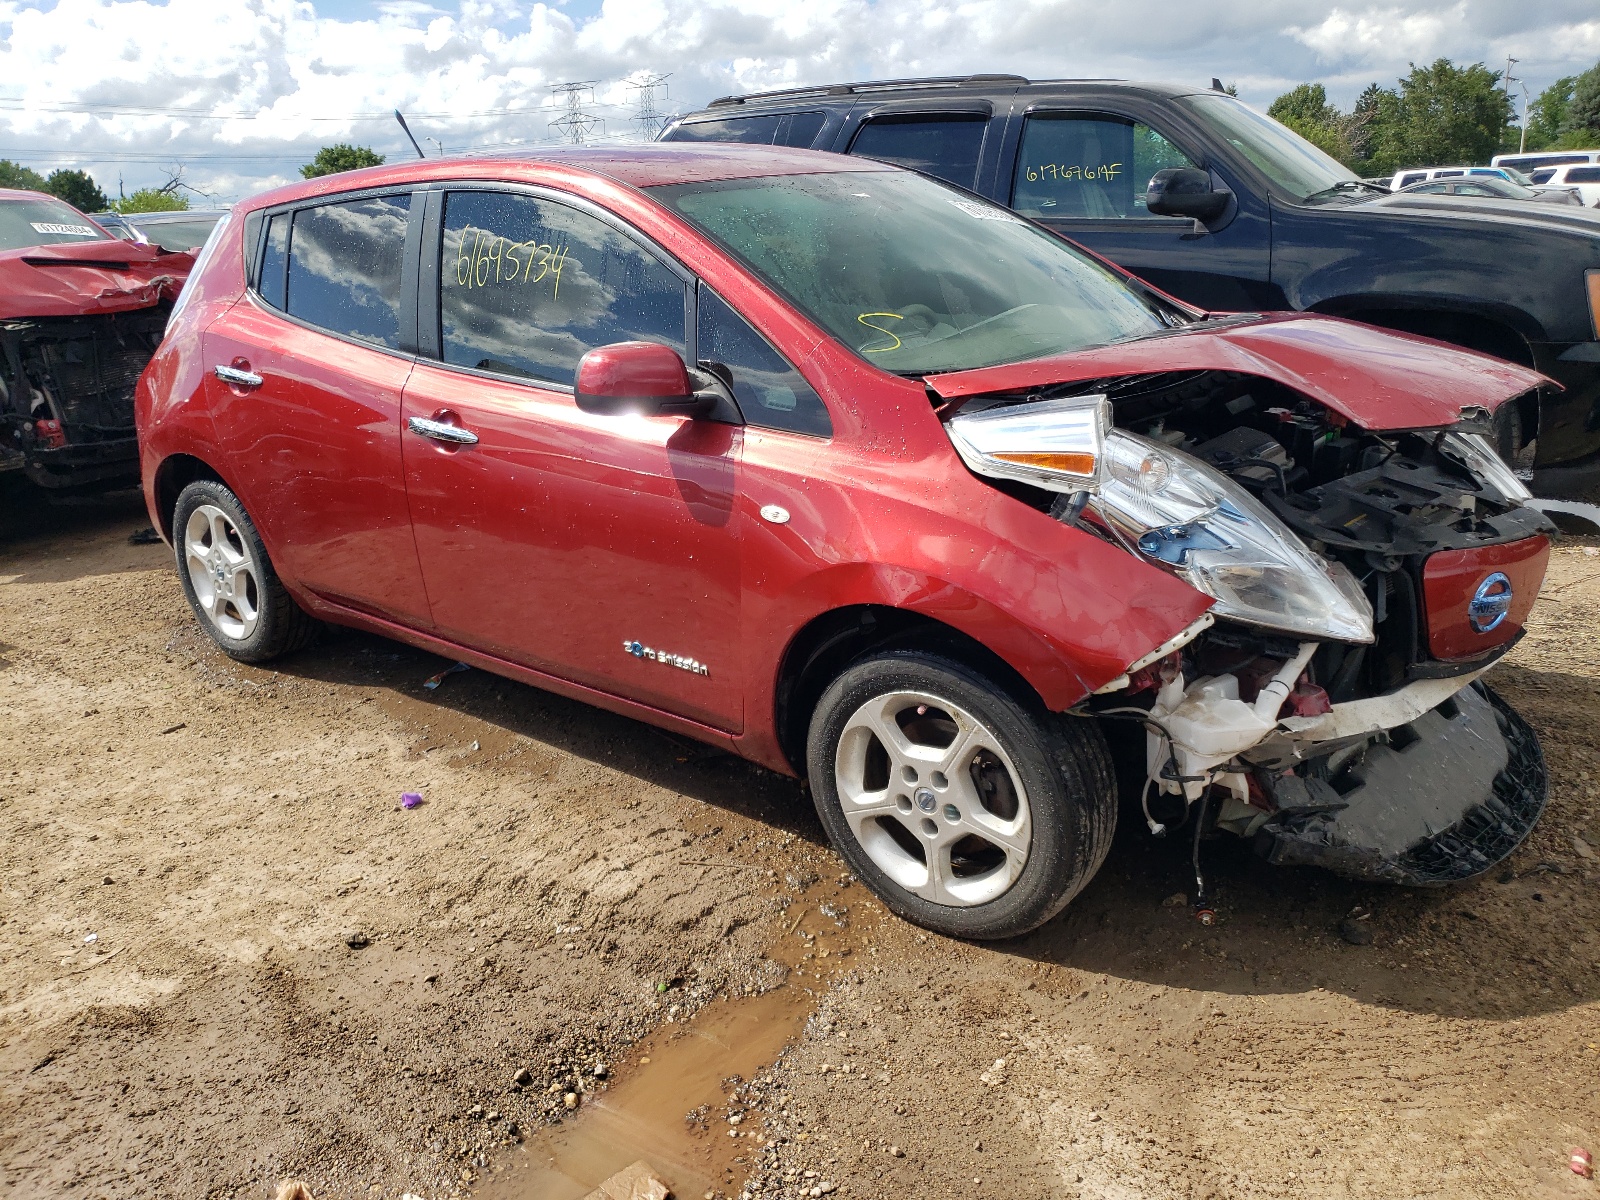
{"x":1184,"y":192}
{"x":638,"y":377}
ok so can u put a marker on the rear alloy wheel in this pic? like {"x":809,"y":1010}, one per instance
{"x":229,"y":579}
{"x":964,"y":810}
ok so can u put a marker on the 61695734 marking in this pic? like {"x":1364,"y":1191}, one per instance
{"x":496,"y":259}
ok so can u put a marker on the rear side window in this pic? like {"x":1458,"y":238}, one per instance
{"x":1089,"y":165}
{"x":1583,"y":174}
{"x":1414,"y":177}
{"x":1543,"y":176}
{"x":1448,"y":174}
{"x":527,"y":287}
{"x":344,"y":267}
{"x":770,"y":392}
{"x":801,"y":129}
{"x":946,"y":146}
{"x":772,"y":129}
{"x":761,"y":130}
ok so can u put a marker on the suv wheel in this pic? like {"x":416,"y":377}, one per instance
{"x":229,"y":579}
{"x":964,"y":810}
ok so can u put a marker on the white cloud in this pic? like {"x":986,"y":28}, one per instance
{"x":296,"y":79}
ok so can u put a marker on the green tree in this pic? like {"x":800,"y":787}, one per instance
{"x":15,"y":175}
{"x":1373,"y":107}
{"x":1583,"y":114}
{"x":151,"y":200}
{"x":330,"y":160}
{"x":1548,"y":113}
{"x":1306,"y":110}
{"x":78,"y":189}
{"x":1443,"y":114}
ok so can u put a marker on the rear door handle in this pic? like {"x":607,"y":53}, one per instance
{"x":237,"y":377}
{"x":441,"y":431}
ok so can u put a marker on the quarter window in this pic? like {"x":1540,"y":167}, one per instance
{"x":946,"y":146}
{"x":1583,"y":174}
{"x":770,"y":392}
{"x":528,"y":286}
{"x":344,"y":267}
{"x":274,"y":260}
{"x":1097,"y":165}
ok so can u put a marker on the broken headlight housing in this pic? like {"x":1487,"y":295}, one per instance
{"x":1473,"y":451}
{"x":1183,"y":515}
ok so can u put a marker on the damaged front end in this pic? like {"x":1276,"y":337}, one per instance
{"x":1329,"y":706}
{"x":66,"y":394}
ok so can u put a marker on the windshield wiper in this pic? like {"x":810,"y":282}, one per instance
{"x":1344,"y":187}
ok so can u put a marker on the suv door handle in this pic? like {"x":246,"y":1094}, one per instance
{"x":237,"y":377}
{"x":442,"y":431}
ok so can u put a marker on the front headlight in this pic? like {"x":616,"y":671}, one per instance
{"x":1208,"y":530}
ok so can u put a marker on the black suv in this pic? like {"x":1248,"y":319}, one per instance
{"x":1225,"y":208}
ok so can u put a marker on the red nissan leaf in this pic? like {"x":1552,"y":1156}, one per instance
{"x":875,"y":483}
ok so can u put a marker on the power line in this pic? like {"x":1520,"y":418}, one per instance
{"x":575,"y":123}
{"x":650,"y":120}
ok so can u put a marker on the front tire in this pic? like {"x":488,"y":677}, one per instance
{"x":229,"y":579}
{"x":966,"y":810}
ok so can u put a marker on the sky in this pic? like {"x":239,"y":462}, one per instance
{"x":238,"y":93}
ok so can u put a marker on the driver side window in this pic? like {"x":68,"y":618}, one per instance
{"x":1076,"y":165}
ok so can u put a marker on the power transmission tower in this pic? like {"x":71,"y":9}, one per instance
{"x":574,"y":123}
{"x":650,"y":120}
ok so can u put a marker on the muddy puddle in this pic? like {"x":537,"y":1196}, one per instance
{"x":694,"y":1065}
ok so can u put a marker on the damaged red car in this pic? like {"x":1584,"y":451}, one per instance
{"x":81,"y":312}
{"x":875,"y":483}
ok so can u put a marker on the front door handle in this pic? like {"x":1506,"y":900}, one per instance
{"x":442,"y":431}
{"x":237,"y":377}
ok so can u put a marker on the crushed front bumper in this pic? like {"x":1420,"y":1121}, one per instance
{"x":1439,"y":798}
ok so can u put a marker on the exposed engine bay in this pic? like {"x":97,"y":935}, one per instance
{"x":66,"y":394}
{"x":1328,"y":706}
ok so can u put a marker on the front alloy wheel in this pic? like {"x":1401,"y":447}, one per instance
{"x":932,"y":798}
{"x":967,"y":808}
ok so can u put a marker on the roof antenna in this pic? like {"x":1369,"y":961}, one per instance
{"x":407,"y":128}
{"x":1216,"y":86}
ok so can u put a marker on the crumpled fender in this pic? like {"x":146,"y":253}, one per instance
{"x":1376,"y":378}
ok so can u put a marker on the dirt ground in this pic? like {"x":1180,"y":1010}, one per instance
{"x":228,"y":956}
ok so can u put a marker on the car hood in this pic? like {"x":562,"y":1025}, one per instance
{"x":1379,"y":380}
{"x":1569,"y":217}
{"x":81,"y":278}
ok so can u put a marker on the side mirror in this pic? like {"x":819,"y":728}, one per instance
{"x":638,"y":377}
{"x":1184,"y":192}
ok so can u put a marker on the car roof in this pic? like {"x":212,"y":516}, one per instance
{"x":177,"y":214}
{"x":946,"y":85}
{"x":25,"y":194}
{"x":641,"y":165}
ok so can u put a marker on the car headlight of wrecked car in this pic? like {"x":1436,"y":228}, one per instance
{"x":1173,"y":511}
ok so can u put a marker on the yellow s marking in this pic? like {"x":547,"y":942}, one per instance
{"x":880,"y":349}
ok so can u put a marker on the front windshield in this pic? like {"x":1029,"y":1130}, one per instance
{"x":43,"y":222}
{"x":1282,"y":155}
{"x":916,"y":277}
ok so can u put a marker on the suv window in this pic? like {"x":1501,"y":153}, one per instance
{"x":344,"y":267}
{"x":772,"y":129}
{"x":1543,"y":176}
{"x":946,"y":146}
{"x":1414,"y":177}
{"x":1583,"y":174}
{"x":770,"y":392}
{"x":760,"y":130}
{"x":1088,"y":165}
{"x":528,"y":286}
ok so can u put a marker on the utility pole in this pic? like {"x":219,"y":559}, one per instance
{"x":1511,"y":62}
{"x":650,"y":120}
{"x":1522,"y":146}
{"x":574,"y":123}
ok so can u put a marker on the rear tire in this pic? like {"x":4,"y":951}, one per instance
{"x":229,"y":579}
{"x":965,"y":809}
